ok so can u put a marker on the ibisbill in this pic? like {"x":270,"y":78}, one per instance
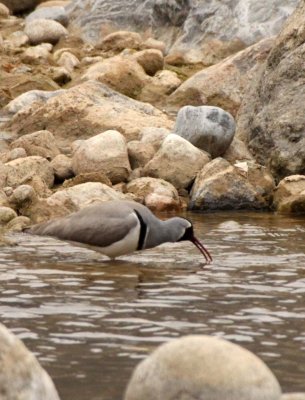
{"x":115,"y":228}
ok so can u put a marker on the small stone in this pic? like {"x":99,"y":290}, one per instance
{"x":121,"y":40}
{"x":151,"y":60}
{"x":36,"y":54}
{"x":18,"y":224}
{"x":18,"y":39}
{"x":4,"y":11}
{"x":22,"y":194}
{"x":152,"y":43}
{"x":6,"y":214}
{"x":17,"y":152}
{"x":57,"y":13}
{"x":68,"y":60}
{"x":139,"y":153}
{"x":44,"y":31}
{"x":62,"y":166}
{"x":40,"y":143}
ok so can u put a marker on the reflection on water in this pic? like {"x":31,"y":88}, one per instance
{"x":90,"y":320}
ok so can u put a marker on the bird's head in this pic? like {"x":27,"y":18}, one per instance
{"x":188,"y":234}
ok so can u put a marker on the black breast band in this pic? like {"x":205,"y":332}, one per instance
{"x":143,"y":230}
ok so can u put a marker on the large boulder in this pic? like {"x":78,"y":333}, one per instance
{"x":106,"y":152}
{"x":222,"y":186}
{"x":289,"y":195}
{"x":272,"y":117}
{"x":202,"y":367}
{"x":86,"y":110}
{"x":177,"y":161}
{"x":185,"y":26}
{"x":208,"y":128}
{"x":223,"y":84}
{"x":21,"y":376}
{"x":156,"y":194}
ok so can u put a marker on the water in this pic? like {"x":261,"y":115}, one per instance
{"x":89,"y":321}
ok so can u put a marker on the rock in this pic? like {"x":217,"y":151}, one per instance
{"x":4,"y":11}
{"x":156,"y":194}
{"x":153,"y":136}
{"x":139,"y":153}
{"x":18,"y":224}
{"x":85,"y":194}
{"x":6,"y":214}
{"x":60,"y":75}
{"x":185,"y":26}
{"x":222,"y":186}
{"x":18,"y":39}
{"x":41,"y":143}
{"x":57,"y":13}
{"x":88,"y":177}
{"x":23,"y":194}
{"x":237,"y":151}
{"x":223,"y":84}
{"x":3,"y":175}
{"x":69,"y":61}
{"x":293,"y":396}
{"x":54,"y":3}
{"x":121,"y":40}
{"x":62,"y":166}
{"x":152,"y":43}
{"x":208,"y":128}
{"x":44,"y":31}
{"x":270,"y":119}
{"x":151,"y":60}
{"x":37,"y":54}
{"x":106,"y":152}
{"x":20,"y":5}
{"x":202,"y":367}
{"x":21,"y":376}
{"x":83,"y":111}
{"x":159,"y":87}
{"x":26,"y":99}
{"x":17,"y":152}
{"x":177,"y":161}
{"x":289,"y":195}
{"x":120,"y":73}
{"x":24,"y":170}
{"x":3,"y":199}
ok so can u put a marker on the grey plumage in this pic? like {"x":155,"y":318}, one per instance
{"x":115,"y":228}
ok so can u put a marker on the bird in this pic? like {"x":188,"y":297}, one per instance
{"x":119,"y":227}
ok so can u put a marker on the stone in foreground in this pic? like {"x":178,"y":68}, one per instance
{"x":200,"y":367}
{"x":21,"y":376}
{"x":209,"y":128}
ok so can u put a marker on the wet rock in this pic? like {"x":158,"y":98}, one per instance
{"x":289,"y":195}
{"x":83,"y":111}
{"x":106,"y":152}
{"x":37,"y":54}
{"x":208,"y":128}
{"x":139,"y":153}
{"x":121,"y":40}
{"x":177,"y":161}
{"x":222,"y":186}
{"x":202,"y":367}
{"x":44,"y":31}
{"x":18,"y":224}
{"x":156,"y":194}
{"x":41,"y":143}
{"x":56,"y":13}
{"x":62,"y":166}
{"x":224,"y":84}
{"x":6,"y":214}
{"x":151,"y":60}
{"x":120,"y":73}
{"x":4,"y":11}
{"x":270,"y":120}
{"x":24,"y":170}
{"x":68,"y":60}
{"x":21,"y":376}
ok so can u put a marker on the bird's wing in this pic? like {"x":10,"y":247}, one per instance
{"x":89,"y":228}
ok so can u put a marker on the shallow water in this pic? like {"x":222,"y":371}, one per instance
{"x":90,"y":320}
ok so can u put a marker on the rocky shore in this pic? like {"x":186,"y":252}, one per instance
{"x":127,"y":115}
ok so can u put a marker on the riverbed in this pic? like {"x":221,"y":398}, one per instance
{"x":90,"y":321}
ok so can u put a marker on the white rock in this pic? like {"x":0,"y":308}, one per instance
{"x":44,"y":30}
{"x":21,"y":376}
{"x":106,"y":152}
{"x":208,"y":128}
{"x":177,"y":161}
{"x":202,"y":367}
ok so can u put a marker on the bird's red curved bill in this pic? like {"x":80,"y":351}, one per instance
{"x":202,"y":250}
